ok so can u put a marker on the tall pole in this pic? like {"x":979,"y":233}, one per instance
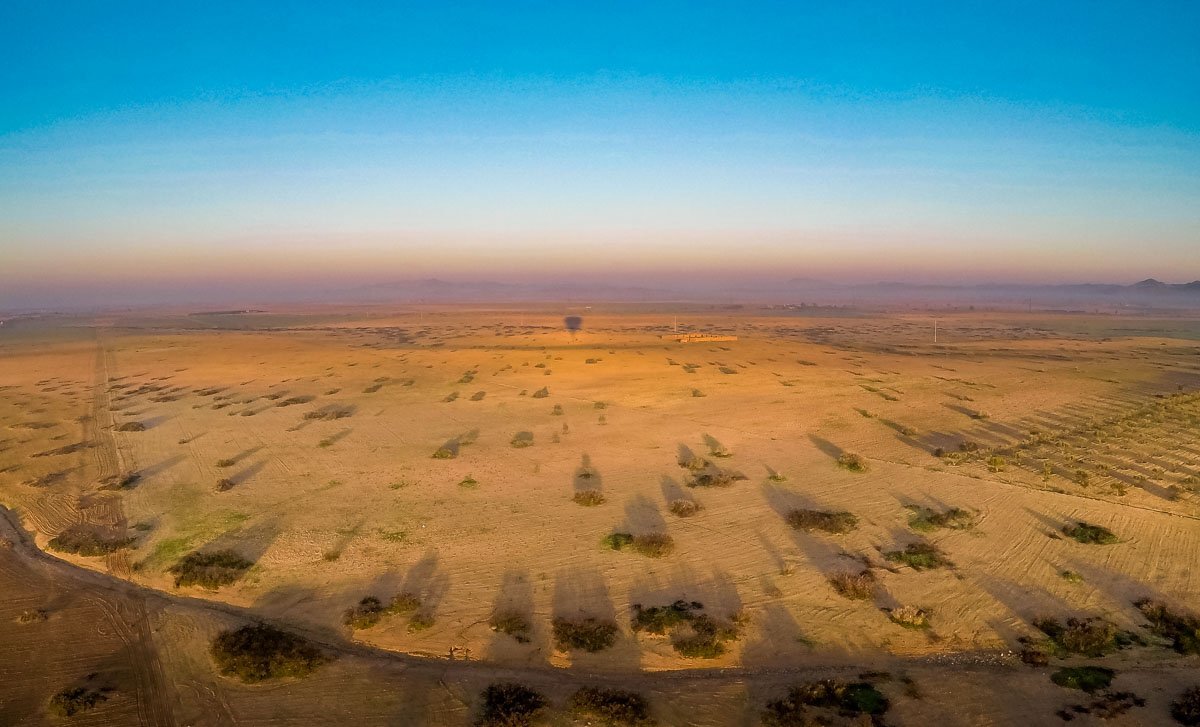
{"x":935,"y":330}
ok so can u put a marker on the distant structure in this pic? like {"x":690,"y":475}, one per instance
{"x":697,"y":337}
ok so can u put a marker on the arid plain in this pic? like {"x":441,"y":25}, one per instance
{"x":832,"y":495}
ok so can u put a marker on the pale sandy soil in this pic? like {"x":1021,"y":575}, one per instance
{"x":334,"y":510}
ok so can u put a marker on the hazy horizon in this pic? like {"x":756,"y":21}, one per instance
{"x":155,"y":151}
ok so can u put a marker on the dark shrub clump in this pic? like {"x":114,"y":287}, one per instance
{"x":1092,"y":637}
{"x":919,"y":556}
{"x":836,"y":523}
{"x":854,"y":699}
{"x":211,"y":570}
{"x":1090,"y":534}
{"x":70,"y":702}
{"x":925,"y":520}
{"x":261,"y":652}
{"x":612,"y":707}
{"x":84,"y":540}
{"x":509,"y":705}
{"x":1088,"y":678}
{"x":1186,"y":709}
{"x":852,"y":462}
{"x":1183,"y":630}
{"x":586,"y":634}
{"x":511,"y":623}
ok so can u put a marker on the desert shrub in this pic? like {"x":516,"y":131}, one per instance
{"x":73,"y":700}
{"x":452,"y":396}
{"x":996,"y":463}
{"x":293,"y":400}
{"x":522,"y":439}
{"x":478,"y":395}
{"x":685,"y":508}
{"x":919,"y":556}
{"x":445,"y":453}
{"x":1091,"y":637}
{"x":365,"y":614}
{"x":611,"y":707}
{"x":589,"y":498}
{"x":696,"y":393}
{"x":1183,"y":630}
{"x":852,"y":462}
{"x":661,"y":619}
{"x":131,"y":427}
{"x":585,"y":634}
{"x":224,"y":484}
{"x":226,"y":462}
{"x":726,"y":370}
{"x":926,"y":520}
{"x":512,"y":623}
{"x":507,"y":704}
{"x":855,"y":586}
{"x":541,"y":393}
{"x":420,"y":621}
{"x":711,"y":476}
{"x":32,"y":615}
{"x":329,"y":414}
{"x":260,"y":652}
{"x":1186,"y":709}
{"x":85,"y":540}
{"x":910,"y":617}
{"x":404,"y":603}
{"x":557,"y":410}
{"x":120,"y":482}
{"x":837,"y":523}
{"x":617,"y":541}
{"x":1088,"y":678}
{"x":1089,"y":534}
{"x":654,"y":545}
{"x":210,"y":570}
{"x":1071,"y":576}
{"x":846,"y":699}
{"x":703,"y":637}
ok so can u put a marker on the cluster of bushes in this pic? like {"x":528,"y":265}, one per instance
{"x":919,"y":556}
{"x":654,"y":545}
{"x":370,"y":610}
{"x":1109,"y":705}
{"x":260,"y":652}
{"x":855,"y":586}
{"x":210,"y":570}
{"x":329,"y":414}
{"x":507,"y":704}
{"x":88,"y":541}
{"x":1186,"y":709}
{"x":836,"y":523}
{"x":1087,"y":678}
{"x":1183,"y":630}
{"x":613,"y":707}
{"x":926,"y":520}
{"x":1089,"y":534}
{"x":694,"y":634}
{"x":684,"y":508}
{"x":809,"y":704}
{"x":584,"y":634}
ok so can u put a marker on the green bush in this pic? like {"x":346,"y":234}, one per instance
{"x":610,"y":707}
{"x":661,"y":619}
{"x":837,"y":523}
{"x":1093,"y":637}
{"x":210,"y":570}
{"x":589,"y":498}
{"x":368,"y":612}
{"x":586,"y":634}
{"x":694,"y":634}
{"x":926,"y":520}
{"x":617,"y":541}
{"x":260,"y":652}
{"x":919,"y":556}
{"x":507,"y":704}
{"x":512,"y":623}
{"x":852,"y":700}
{"x":1090,"y":534}
{"x":1088,"y":678}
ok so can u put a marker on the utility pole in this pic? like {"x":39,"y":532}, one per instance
{"x":677,"y":324}
{"x":935,"y":330}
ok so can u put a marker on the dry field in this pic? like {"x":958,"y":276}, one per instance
{"x":833,"y":495}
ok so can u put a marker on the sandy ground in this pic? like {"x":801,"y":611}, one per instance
{"x":334,"y":510}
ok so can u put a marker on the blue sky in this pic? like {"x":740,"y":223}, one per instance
{"x":980,"y":141}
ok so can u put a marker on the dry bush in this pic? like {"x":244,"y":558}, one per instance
{"x":541,"y":393}
{"x":365,"y":614}
{"x":585,"y":634}
{"x":404,"y":603}
{"x":855,"y":586}
{"x":512,"y":623}
{"x":693,"y":634}
{"x":131,"y":427}
{"x":589,"y":498}
{"x":854,"y":700}
{"x":522,"y":439}
{"x":507,"y":704}
{"x":226,"y":462}
{"x":837,"y":523}
{"x":910,"y":617}
{"x":1092,"y":637}
{"x":919,"y":556}
{"x":88,"y":541}
{"x":32,"y":615}
{"x":685,"y":508}
{"x":1183,"y":630}
{"x":654,"y":545}
{"x":926,"y":520}
{"x":852,"y":462}
{"x":70,"y":702}
{"x":1186,"y":709}
{"x":224,"y":485}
